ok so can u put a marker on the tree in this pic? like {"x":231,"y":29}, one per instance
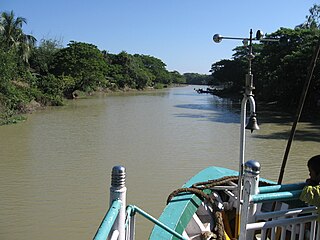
{"x":43,"y":55}
{"x":156,"y":67}
{"x":177,"y":77}
{"x":84,"y":63}
{"x":229,"y":73}
{"x":281,"y":68}
{"x":198,"y":79}
{"x":313,"y":19}
{"x":139,"y":71}
{"x":13,"y":36}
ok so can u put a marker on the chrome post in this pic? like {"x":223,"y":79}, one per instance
{"x":247,"y":96}
{"x":118,"y":191}
{"x":251,"y":187}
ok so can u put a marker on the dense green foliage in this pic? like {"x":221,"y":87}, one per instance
{"x":15,"y":48}
{"x":43,"y":56}
{"x":32,"y":76}
{"x":280,"y":68}
{"x":84,"y":63}
{"x":197,"y":79}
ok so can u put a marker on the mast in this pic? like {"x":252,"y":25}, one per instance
{"x":252,"y":121}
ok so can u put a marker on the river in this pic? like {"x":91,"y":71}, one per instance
{"x":55,"y":167}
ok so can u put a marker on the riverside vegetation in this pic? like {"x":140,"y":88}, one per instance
{"x":35,"y":74}
{"x":280,"y":69}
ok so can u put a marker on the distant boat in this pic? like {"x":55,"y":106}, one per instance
{"x":207,"y":90}
{"x":219,"y":203}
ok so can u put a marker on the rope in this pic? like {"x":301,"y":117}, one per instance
{"x":197,"y":189}
{"x":216,"y":182}
{"x":219,"y":225}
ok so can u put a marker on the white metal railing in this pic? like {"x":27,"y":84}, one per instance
{"x":108,"y":221}
{"x":282,"y":222}
{"x":301,"y":227}
{"x":119,"y":221}
{"x":257,"y":222}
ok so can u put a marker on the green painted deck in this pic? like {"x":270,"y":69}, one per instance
{"x":179,"y":211}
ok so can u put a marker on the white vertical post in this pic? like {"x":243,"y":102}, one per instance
{"x":251,"y":184}
{"x":118,"y":190}
{"x":241,"y":162}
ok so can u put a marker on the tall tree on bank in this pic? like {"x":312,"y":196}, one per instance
{"x":279,"y":69}
{"x":43,"y":55}
{"x":313,"y":19}
{"x":82,"y":62}
{"x":13,"y":36}
{"x":15,"y":47}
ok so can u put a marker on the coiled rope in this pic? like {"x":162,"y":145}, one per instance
{"x":197,"y":189}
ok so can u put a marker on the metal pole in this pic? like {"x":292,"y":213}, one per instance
{"x":252,"y":125}
{"x":118,"y":191}
{"x":156,"y":221}
{"x":247,"y":95}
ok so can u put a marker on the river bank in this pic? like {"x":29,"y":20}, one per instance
{"x":9,"y":117}
{"x":308,"y":114}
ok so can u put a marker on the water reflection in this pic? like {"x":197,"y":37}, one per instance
{"x":212,"y":108}
{"x":306,"y":134}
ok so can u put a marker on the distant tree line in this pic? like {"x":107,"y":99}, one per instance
{"x":34,"y":75}
{"x":197,"y":79}
{"x":279,"y":69}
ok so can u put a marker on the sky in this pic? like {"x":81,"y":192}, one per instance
{"x":179,"y":32}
